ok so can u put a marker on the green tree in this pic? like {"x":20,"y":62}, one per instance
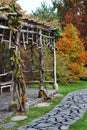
{"x":49,"y":15}
{"x":45,"y":13}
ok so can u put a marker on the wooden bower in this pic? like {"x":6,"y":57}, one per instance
{"x":38,"y":34}
{"x":30,"y":33}
{"x":33,"y":33}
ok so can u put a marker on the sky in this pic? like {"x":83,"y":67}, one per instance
{"x":29,"y":5}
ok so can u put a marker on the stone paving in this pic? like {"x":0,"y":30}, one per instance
{"x":6,"y":99}
{"x":67,"y":112}
{"x":8,"y":125}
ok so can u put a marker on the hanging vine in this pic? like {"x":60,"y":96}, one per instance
{"x":14,"y":22}
{"x":19,"y":87}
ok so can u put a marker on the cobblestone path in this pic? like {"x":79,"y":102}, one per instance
{"x":70,"y":109}
{"x":5,"y":100}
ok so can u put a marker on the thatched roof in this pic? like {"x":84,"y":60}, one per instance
{"x":38,"y":23}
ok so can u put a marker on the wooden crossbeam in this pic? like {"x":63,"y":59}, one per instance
{"x":4,"y":8}
{"x":1,"y":35}
{"x":30,"y":38}
{"x":40,"y":25}
{"x":4,"y":27}
{"x":4,"y":74}
{"x":39,"y":81}
{"x":14,"y":14}
{"x":3,"y":17}
{"x":50,"y":37}
{"x":27,"y":31}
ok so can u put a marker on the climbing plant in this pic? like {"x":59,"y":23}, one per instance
{"x":19,"y":82}
{"x":14,"y":23}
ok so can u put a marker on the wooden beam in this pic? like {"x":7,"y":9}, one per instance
{"x":3,"y":17}
{"x":50,"y":37}
{"x":4,"y":74}
{"x":4,"y":27}
{"x":14,"y":14}
{"x":40,"y":24}
{"x":4,"y":8}
{"x":35,"y":81}
{"x":27,"y":31}
{"x":34,"y":32}
{"x":1,"y":35}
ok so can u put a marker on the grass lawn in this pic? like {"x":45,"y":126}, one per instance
{"x":35,"y":112}
{"x":80,"y":124}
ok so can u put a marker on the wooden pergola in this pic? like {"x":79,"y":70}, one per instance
{"x":38,"y":34}
{"x":32,"y":33}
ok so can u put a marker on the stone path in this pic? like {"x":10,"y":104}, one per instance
{"x":70,"y":109}
{"x":6,"y":99}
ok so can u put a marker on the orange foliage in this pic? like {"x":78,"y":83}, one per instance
{"x":74,"y":67}
{"x":72,"y":47}
{"x":70,"y":43}
{"x":64,"y":45}
{"x":83,"y":57}
{"x":78,"y":70}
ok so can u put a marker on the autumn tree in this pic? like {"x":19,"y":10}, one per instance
{"x":71,"y":48}
{"x":75,"y":12}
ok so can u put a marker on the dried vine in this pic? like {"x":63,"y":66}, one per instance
{"x":19,"y":88}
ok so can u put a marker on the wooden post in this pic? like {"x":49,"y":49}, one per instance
{"x":54,"y":66}
{"x":19,"y":86}
{"x":10,"y":38}
{"x":41,"y":62}
{"x":42,"y":92}
{"x":17,"y":42}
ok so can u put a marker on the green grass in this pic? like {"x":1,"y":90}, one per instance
{"x":80,"y":124}
{"x":73,"y":87}
{"x":35,"y":112}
